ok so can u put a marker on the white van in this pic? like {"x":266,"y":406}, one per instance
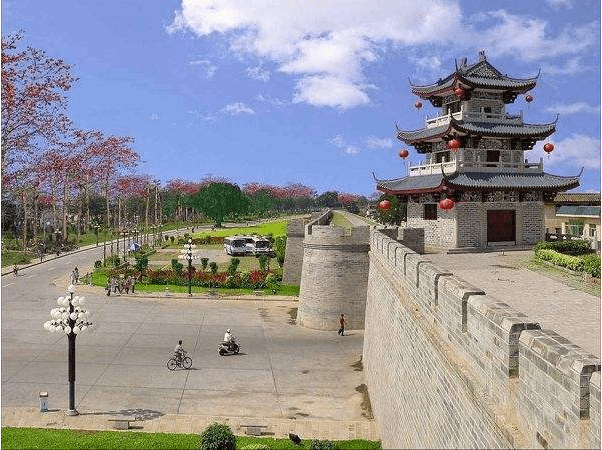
{"x":261,"y":246}
{"x":235,"y":245}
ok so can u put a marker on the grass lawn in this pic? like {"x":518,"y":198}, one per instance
{"x":10,"y":257}
{"x":47,"y":438}
{"x":339,"y":220}
{"x":277,"y":228}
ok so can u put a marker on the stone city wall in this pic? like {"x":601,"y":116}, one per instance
{"x":334,"y":276}
{"x":293,"y":257}
{"x":448,"y":366}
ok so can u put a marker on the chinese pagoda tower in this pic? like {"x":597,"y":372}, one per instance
{"x":475,"y":188}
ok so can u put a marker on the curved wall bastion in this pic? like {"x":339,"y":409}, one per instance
{"x":448,"y":366}
{"x":334,"y":276}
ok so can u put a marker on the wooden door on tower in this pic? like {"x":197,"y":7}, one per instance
{"x":501,"y":225}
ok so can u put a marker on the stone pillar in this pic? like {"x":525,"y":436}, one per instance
{"x":293,"y":258}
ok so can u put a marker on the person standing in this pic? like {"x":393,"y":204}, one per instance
{"x":76,"y":273}
{"x":342,"y":323}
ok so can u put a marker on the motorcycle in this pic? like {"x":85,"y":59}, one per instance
{"x":231,"y":347}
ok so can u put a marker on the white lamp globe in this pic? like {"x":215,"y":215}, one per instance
{"x":73,"y":315}
{"x":81,"y":315}
{"x":75,"y":300}
{"x":59,"y":301}
{"x":75,"y":330}
{"x":67,"y":329}
{"x":84,"y":327}
{"x":71,"y":289}
{"x":65,"y":315}
{"x":82,"y":300}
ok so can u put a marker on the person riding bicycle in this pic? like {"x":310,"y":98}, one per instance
{"x":179,"y":350}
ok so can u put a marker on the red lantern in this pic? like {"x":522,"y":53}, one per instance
{"x":548,"y":148}
{"x":528,"y":98}
{"x":403,"y":153}
{"x":418,"y":104}
{"x":446,"y":203}
{"x":454,"y":144}
{"x":459,"y":92}
{"x":385,"y":205}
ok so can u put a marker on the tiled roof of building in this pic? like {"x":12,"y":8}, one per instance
{"x":477,"y":180}
{"x":577,"y":197}
{"x":481,"y":74}
{"x":573,"y":210}
{"x":481,"y":128}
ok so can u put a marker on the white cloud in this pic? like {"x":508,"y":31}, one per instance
{"x":572,"y":66}
{"x":326,"y":45}
{"x":267,"y":98}
{"x":574,"y":108}
{"x":572,"y":153}
{"x":329,"y":91}
{"x":229,"y":110}
{"x":154,"y":116}
{"x":344,"y":148}
{"x":373,"y":142}
{"x":526,"y":38}
{"x":258,"y":73}
{"x":205,"y":65}
{"x":234,"y":109}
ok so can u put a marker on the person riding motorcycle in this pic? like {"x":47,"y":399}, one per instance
{"x":229,"y":338}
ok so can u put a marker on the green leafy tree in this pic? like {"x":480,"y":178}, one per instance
{"x":141,"y":263}
{"x":280,"y":249}
{"x":328,"y":199}
{"x":177,"y":266}
{"x":220,"y":200}
{"x":213,"y":267}
{"x":234,"y":262}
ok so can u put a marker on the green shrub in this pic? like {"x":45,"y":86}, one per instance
{"x":234,"y":262}
{"x":568,"y":261}
{"x":177,"y":266}
{"x":97,"y":264}
{"x":213,"y":267}
{"x":204,"y":262}
{"x":141,"y":263}
{"x":279,"y":249}
{"x":263,"y":262}
{"x":543,"y":245}
{"x":171,"y":238}
{"x":322,"y":445}
{"x":217,"y":436}
{"x":592,"y":265}
{"x":572,"y":247}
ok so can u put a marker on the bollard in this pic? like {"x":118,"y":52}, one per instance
{"x":167,"y":292}
{"x":43,"y":401}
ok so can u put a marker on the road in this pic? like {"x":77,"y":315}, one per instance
{"x":288,"y":377}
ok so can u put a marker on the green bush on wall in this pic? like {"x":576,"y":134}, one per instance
{"x":568,"y":261}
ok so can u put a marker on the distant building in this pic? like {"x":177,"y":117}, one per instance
{"x":475,"y":158}
{"x":574,"y":215}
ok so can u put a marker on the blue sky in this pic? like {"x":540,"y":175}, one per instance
{"x":309,"y":91}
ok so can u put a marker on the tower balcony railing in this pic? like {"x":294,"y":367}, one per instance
{"x":516,"y":119}
{"x":459,"y":165}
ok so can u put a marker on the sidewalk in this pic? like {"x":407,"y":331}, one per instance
{"x":190,"y":424}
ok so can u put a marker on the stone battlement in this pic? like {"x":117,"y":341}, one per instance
{"x":480,"y":372}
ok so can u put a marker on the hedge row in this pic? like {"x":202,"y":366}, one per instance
{"x":258,"y":279}
{"x":589,"y":263}
{"x":568,"y":247}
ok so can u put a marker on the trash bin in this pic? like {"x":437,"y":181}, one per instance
{"x":43,"y":401}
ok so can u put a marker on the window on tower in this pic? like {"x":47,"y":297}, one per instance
{"x":493,"y":156}
{"x":430,"y":211}
{"x":442,"y":157}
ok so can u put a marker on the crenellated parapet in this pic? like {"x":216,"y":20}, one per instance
{"x":481,"y":373}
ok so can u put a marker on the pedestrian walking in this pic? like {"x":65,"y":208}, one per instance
{"x":76,"y":272}
{"x":73,"y":278}
{"x":342,"y":323}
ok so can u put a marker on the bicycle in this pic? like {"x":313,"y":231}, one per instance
{"x":176,"y":361}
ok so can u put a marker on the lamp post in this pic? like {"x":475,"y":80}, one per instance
{"x":189,"y":253}
{"x":71,"y":318}
{"x":104,"y":246}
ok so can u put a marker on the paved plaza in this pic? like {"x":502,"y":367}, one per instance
{"x":289,"y":378}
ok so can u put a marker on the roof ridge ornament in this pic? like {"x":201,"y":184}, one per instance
{"x":482,"y":56}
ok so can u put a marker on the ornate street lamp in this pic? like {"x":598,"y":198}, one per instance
{"x":189,"y":253}
{"x":70,"y":318}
